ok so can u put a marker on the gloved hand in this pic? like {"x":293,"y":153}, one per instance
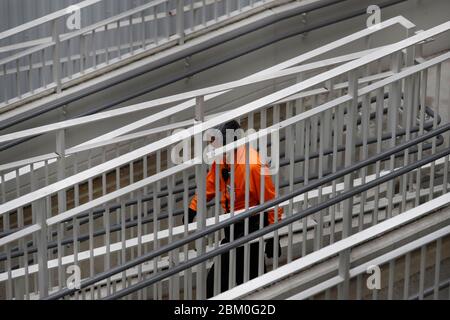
{"x":269,"y":248}
{"x":191,"y":215}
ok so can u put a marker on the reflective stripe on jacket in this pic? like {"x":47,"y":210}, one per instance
{"x":254,"y":187}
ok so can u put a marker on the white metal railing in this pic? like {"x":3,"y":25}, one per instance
{"x":56,"y":63}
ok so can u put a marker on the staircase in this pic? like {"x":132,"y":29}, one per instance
{"x":356,"y":138}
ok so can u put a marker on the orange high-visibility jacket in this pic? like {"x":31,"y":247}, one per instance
{"x":254,"y":187}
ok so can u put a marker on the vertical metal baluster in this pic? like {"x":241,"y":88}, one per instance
{"x":62,"y":201}
{"x":217,"y":197}
{"x":167,"y":20}
{"x":123,"y":237}
{"x":446,"y":161}
{"x":119,"y":44}
{"x":56,"y":56}
{"x":275,"y":156}
{"x":263,"y":143}
{"x":187,"y":284}
{"x":82,"y":51}
{"x":91,"y":226}
{"x":40,"y":208}
{"x":232,"y":261}
{"x":204,"y":13}
{"x":328,"y":146}
{"x":289,"y":150}
{"x":70,"y":61}
{"x":246,"y":221}
{"x":216,"y":10}
{"x":75,"y":223}
{"x":30,"y":74}
{"x":391,"y":279}
{"x":406,"y":276}
{"x":143,"y":33}
{"x":33,"y":187}
{"x":4,"y":83}
{"x":107,"y":261}
{"x":19,"y":92}
{"x":6,"y":227}
{"x":130,"y":30}
{"x":48,"y":204}
{"x":344,"y":267}
{"x":200,"y":176}
{"x":423,"y":253}
{"x":276,"y":119}
{"x":365,"y":119}
{"x":94,"y":50}
{"x":19,"y":224}
{"x":336,"y":134}
{"x":407,"y":107}
{"x":379,"y":132}
{"x":174,"y":289}
{"x":435,"y":124}
{"x":8,"y":264}
{"x":359,"y":287}
{"x":394,"y":102}
{"x":21,"y":284}
{"x":156,"y":211}
{"x":41,"y":69}
{"x":423,"y":88}
{"x":107,"y":38}
{"x":318,"y":243}
{"x":314,"y":139}
{"x":146,"y":206}
{"x":350,"y":139}
{"x":192,"y":14}
{"x":155,"y":25}
{"x":306,"y":181}
{"x":132,"y":196}
{"x":437,"y":268}
{"x":139,"y":236}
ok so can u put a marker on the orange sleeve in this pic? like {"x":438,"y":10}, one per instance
{"x":269,"y":189}
{"x":210,"y":187}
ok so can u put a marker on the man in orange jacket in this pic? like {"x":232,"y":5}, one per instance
{"x":239,"y":204}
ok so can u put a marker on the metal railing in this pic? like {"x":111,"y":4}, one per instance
{"x":56,"y":63}
{"x":308,"y":127}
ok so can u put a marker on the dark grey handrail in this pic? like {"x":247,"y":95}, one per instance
{"x":261,"y":208}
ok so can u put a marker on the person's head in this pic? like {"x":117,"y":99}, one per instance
{"x":225,"y":133}
{"x":228,"y":130}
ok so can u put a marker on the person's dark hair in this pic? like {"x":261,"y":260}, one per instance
{"x":230,"y":125}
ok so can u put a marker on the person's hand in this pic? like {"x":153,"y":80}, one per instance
{"x":269,"y":248}
{"x":191,"y":215}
